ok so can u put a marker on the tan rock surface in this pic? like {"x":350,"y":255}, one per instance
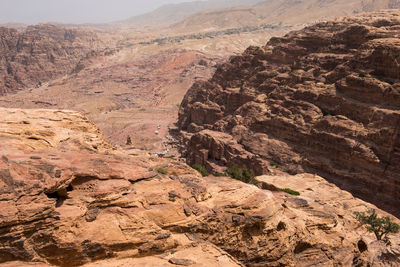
{"x":324,"y":100}
{"x":70,"y":199}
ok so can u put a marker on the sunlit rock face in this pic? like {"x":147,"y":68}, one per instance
{"x":68,"y":198}
{"x":325,"y":99}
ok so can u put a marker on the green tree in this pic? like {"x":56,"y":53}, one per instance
{"x":241,"y":174}
{"x":201,"y":169}
{"x":379,"y":226}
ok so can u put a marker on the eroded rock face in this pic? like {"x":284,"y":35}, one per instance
{"x":41,"y":53}
{"x":67,"y":198}
{"x":325,"y":100}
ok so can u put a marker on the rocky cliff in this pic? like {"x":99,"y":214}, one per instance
{"x":41,"y":53}
{"x":325,"y":100}
{"x":67,"y":198}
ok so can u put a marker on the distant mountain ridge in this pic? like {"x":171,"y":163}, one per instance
{"x":281,"y":11}
{"x":173,"y":13}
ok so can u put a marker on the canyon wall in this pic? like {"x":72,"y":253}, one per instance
{"x":325,"y":100}
{"x":40,"y":53}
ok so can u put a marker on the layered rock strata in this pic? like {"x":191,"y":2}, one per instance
{"x":67,"y":198}
{"x":41,"y":53}
{"x":325,"y":100}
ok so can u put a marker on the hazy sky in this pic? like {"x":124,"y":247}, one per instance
{"x":75,"y":11}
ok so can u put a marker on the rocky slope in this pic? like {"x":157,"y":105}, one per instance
{"x":68,"y":198}
{"x":325,"y":99}
{"x":41,"y":53}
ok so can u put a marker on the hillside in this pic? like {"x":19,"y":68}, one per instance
{"x":324,"y":100}
{"x":290,"y":12}
{"x":173,"y":13}
{"x":41,"y":53}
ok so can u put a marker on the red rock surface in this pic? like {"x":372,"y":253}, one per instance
{"x":41,"y":53}
{"x":67,"y":198}
{"x":325,"y":99}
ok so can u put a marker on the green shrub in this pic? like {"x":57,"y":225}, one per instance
{"x":201,"y":169}
{"x":379,"y":226}
{"x":290,"y":191}
{"x":162,"y":171}
{"x":222,"y":174}
{"x":241,"y":174}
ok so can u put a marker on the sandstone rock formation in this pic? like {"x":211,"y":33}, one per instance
{"x":325,"y":99}
{"x":41,"y":53}
{"x":67,"y":198}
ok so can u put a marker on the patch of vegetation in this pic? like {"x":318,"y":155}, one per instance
{"x":290,"y":191}
{"x":222,"y":174}
{"x":381,"y":227}
{"x":142,"y":109}
{"x":241,"y":174}
{"x":361,"y":75}
{"x":201,"y":169}
{"x":169,"y":157}
{"x":162,"y":171}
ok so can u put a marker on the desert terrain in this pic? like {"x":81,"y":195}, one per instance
{"x":134,"y":84}
{"x":215,"y":133}
{"x":131,"y":79}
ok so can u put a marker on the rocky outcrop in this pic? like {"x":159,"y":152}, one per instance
{"x":68,"y":198}
{"x":41,"y":53}
{"x":325,"y":99}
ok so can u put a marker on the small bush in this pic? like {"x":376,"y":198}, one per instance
{"x":222,"y":174}
{"x":241,"y":174}
{"x":162,"y":171}
{"x":290,"y":191}
{"x":201,"y":169}
{"x":128,"y":141}
{"x":381,"y":227}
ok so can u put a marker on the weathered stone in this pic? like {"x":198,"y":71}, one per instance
{"x":325,"y":100}
{"x":86,"y":203}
